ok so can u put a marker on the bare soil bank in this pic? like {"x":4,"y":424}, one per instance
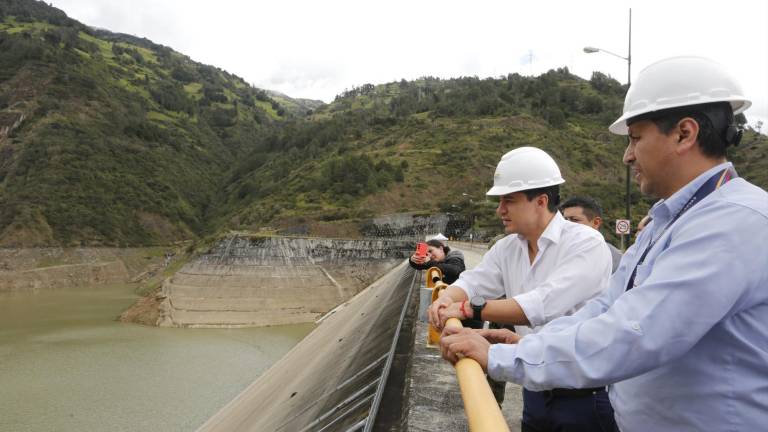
{"x":31,"y":269}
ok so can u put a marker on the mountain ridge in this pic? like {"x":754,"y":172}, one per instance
{"x":111,"y":139}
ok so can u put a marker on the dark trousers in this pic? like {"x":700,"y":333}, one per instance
{"x":550,"y":412}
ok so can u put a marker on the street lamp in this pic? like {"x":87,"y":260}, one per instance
{"x":490,"y":185}
{"x":628,"y":58}
{"x":590,"y":50}
{"x":471,"y":217}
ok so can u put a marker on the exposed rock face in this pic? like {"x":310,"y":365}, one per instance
{"x":273,"y":281}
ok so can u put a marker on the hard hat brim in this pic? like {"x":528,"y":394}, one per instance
{"x":501,"y":190}
{"x":505,"y":190}
{"x":619,"y":127}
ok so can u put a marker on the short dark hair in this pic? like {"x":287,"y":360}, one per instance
{"x":438,"y":243}
{"x":717,"y":125}
{"x":552,"y":193}
{"x":590,"y":206}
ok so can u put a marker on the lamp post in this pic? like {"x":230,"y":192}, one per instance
{"x":471,"y":217}
{"x":493,"y":169}
{"x":628,"y":58}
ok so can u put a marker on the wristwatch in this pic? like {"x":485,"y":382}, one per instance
{"x":478,"y":304}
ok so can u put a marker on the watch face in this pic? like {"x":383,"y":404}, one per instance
{"x":477,"y":301}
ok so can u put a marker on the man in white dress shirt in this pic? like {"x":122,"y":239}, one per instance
{"x":546,"y":269}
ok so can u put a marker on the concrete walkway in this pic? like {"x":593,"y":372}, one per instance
{"x":434,"y":397}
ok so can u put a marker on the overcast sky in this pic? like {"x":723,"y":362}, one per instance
{"x":316,"y":49}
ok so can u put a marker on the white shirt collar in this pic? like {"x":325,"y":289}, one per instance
{"x":551,"y":233}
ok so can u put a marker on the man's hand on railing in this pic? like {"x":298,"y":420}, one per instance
{"x":503,"y":335}
{"x":459,"y":310}
{"x":436,"y":308}
{"x":457,"y":343}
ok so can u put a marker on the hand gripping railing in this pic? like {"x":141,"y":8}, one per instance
{"x":483,"y":413}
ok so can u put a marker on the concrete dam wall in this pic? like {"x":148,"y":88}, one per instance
{"x":332,"y":380}
{"x":260,"y":281}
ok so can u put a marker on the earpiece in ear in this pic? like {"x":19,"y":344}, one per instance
{"x":733,"y":135}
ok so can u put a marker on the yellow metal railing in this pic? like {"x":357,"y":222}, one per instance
{"x":480,"y":406}
{"x":434,"y":281}
{"x":483,"y":413}
{"x":433,"y":334}
{"x":434,"y":276}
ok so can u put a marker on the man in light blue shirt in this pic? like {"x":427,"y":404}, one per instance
{"x":681,"y":334}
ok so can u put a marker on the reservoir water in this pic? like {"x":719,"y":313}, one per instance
{"x":67,"y":365}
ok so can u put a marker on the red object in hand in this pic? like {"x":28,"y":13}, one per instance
{"x":421,"y":249}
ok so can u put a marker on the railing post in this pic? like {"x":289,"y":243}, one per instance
{"x":437,"y":285}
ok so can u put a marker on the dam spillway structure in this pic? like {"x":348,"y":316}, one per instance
{"x":260,"y":281}
{"x":343,"y":373}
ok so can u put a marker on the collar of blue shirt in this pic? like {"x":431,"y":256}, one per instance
{"x":664,"y":210}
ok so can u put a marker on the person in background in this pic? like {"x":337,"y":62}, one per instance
{"x":680,"y":335}
{"x":450,"y":262}
{"x":586,"y":211}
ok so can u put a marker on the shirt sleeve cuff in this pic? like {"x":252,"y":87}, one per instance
{"x":532,"y":306}
{"x":501,"y":359}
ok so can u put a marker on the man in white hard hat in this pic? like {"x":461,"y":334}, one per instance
{"x":681,"y":334}
{"x":549,"y":269}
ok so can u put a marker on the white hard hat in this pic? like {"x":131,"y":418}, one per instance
{"x":677,"y":82}
{"x":524,"y":168}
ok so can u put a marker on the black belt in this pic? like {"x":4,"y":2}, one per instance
{"x":563,"y":392}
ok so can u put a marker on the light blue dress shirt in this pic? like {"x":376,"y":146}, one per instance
{"x":687,"y":348}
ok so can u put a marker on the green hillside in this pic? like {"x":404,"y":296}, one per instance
{"x":428,"y":145}
{"x":432,"y":145}
{"x":109,"y":139}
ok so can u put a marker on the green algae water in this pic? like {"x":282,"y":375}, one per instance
{"x":67,"y":365}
